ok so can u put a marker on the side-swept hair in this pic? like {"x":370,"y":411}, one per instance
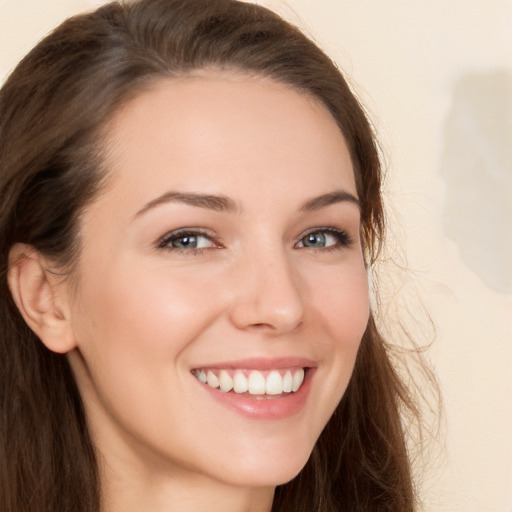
{"x":53,"y":109}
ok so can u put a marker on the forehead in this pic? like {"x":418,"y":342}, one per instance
{"x":218,"y":131}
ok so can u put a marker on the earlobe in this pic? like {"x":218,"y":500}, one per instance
{"x":39,"y":298}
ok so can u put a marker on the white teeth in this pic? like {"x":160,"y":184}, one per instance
{"x":225,"y":381}
{"x":274,"y":385}
{"x":298,"y":379}
{"x":212,"y":379}
{"x":240,"y":384}
{"x":287,"y":382}
{"x":256,"y":383}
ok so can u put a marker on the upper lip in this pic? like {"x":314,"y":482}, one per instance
{"x":261,"y":363}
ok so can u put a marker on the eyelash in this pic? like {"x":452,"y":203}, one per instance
{"x":343,"y":240}
{"x":167,"y":239}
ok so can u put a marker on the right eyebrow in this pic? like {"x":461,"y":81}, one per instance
{"x":338,"y":196}
{"x":217,"y":203}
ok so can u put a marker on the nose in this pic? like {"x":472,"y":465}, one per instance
{"x":268,"y":296}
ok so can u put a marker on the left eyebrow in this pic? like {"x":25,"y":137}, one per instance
{"x":339,"y":196}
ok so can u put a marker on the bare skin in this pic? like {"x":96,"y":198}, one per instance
{"x":266,"y":269}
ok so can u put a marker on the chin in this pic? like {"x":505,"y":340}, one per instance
{"x":260,"y":469}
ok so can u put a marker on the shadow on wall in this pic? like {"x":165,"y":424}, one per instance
{"x":476,"y":165}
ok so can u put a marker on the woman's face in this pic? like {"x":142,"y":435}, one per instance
{"x":225,"y":247}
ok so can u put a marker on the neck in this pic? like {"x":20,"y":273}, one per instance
{"x":127,"y":489}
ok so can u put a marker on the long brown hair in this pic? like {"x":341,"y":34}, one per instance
{"x":53,"y":109}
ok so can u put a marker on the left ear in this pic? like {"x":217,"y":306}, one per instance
{"x":40,"y":298}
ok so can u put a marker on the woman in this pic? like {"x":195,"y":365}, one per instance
{"x":190,"y":203}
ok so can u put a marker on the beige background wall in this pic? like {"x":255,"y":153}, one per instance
{"x":437,"y":79}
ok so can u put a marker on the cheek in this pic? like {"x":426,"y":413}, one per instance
{"x":341,"y":312}
{"x":342,"y":302}
{"x":133,"y":331}
{"x":134,"y":335}
{"x":151,"y":309}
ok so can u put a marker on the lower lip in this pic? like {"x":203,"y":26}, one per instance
{"x":261,"y":407}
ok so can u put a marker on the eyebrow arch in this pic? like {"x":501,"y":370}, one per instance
{"x":211,"y":202}
{"x":327,"y":199}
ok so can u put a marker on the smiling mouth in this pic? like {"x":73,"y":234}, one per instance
{"x":272,"y":383}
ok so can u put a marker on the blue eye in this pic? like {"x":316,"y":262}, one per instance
{"x":324,"y":238}
{"x":186,"y":240}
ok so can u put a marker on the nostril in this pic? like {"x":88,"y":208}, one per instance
{"x":260,"y":326}
{"x":270,"y":327}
